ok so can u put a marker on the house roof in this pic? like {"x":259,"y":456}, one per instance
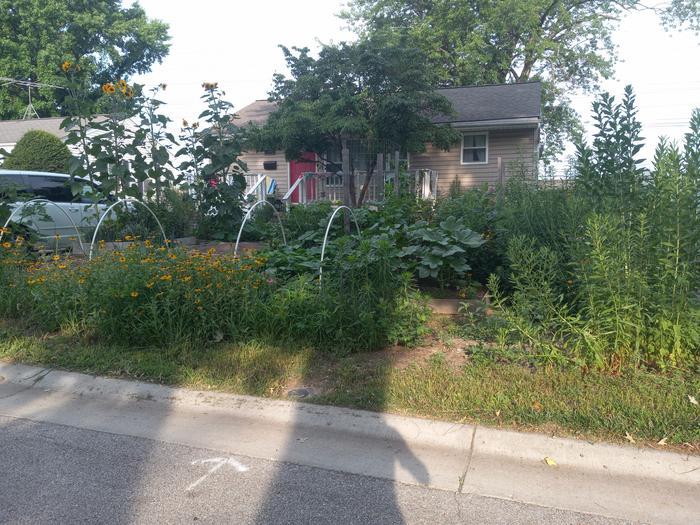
{"x":498,"y":102}
{"x":257,"y":112}
{"x":13,"y":130}
{"x":490,"y":104}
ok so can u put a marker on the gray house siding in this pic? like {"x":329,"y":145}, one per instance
{"x":514,"y":147}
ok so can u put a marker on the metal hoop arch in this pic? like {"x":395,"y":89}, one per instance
{"x":46,"y":201}
{"x":247,"y":216}
{"x":325,"y":237}
{"x":122,"y":201}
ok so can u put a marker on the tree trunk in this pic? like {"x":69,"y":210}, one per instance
{"x":347,"y":187}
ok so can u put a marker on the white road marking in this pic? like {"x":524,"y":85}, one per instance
{"x":218,"y":463}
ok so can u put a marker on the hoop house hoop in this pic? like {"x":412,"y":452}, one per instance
{"x":44,"y":201}
{"x":328,"y":229}
{"x":247,"y":216}
{"x":123,"y":201}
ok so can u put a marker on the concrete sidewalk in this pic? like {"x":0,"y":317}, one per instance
{"x":615,"y":481}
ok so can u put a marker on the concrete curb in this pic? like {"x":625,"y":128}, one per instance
{"x":363,"y":423}
{"x":476,"y":442}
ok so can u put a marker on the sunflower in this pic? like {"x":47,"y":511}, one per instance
{"x":66,"y":66}
{"x":108,"y":88}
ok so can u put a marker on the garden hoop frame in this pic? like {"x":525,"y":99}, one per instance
{"x":247,"y":216}
{"x":328,"y":229}
{"x":122,"y":201}
{"x":45,"y":201}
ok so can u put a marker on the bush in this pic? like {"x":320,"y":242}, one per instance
{"x":39,"y":151}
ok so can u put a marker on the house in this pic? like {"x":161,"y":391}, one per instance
{"x":13,"y":130}
{"x":499,"y":125}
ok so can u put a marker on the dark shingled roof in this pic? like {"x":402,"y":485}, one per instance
{"x":471,"y":104}
{"x":493,"y":102}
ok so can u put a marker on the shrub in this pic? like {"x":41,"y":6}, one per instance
{"x":39,"y":151}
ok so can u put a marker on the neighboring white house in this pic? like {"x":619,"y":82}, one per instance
{"x":13,"y":130}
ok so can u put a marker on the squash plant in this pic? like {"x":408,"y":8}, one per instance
{"x":439,"y":252}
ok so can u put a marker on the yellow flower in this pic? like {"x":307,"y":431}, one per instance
{"x":150,"y":284}
{"x":128,"y":238}
{"x":62,"y":266}
{"x":166,"y":277}
{"x":122,"y":259}
{"x":186,"y":279}
{"x":121,"y":85}
{"x":56,"y":258}
{"x":108,"y":88}
{"x":57,"y":236}
{"x":81,"y":281}
{"x":66,"y":66}
{"x":148,"y":243}
{"x":7,"y":244}
{"x":134,"y":294}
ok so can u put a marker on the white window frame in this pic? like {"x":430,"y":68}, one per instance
{"x":461,"y":151}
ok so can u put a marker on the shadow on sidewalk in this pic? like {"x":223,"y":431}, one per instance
{"x":311,"y":496}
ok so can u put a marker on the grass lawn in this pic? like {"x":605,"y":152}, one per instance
{"x":437,"y":380}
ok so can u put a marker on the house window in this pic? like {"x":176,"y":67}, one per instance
{"x":475,"y":148}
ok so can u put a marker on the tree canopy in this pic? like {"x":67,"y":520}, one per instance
{"x":565,"y":43}
{"x":377,"y":92}
{"x":37,"y":36}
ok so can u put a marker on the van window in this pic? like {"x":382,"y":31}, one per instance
{"x":11,"y":186}
{"x":55,"y":189}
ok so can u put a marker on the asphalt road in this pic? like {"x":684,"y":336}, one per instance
{"x":59,"y":474}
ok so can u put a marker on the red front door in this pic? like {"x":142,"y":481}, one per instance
{"x":297,"y":168}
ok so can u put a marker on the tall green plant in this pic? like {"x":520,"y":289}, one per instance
{"x":624,"y":289}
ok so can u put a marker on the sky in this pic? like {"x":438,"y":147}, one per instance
{"x":236,"y":44}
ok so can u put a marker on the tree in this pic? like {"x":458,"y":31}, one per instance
{"x":39,"y":151}
{"x":565,"y":43}
{"x":376,"y":93}
{"x":38,"y":36}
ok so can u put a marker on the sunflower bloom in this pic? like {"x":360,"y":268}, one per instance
{"x":108,"y":88}
{"x":66,"y":66}
{"x":134,"y":294}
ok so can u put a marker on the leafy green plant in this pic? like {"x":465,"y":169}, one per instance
{"x":440,"y":252}
{"x":213,"y":167}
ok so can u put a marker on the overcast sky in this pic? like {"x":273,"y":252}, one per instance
{"x":235,"y":44}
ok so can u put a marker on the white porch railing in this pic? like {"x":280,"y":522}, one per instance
{"x":322,"y":186}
